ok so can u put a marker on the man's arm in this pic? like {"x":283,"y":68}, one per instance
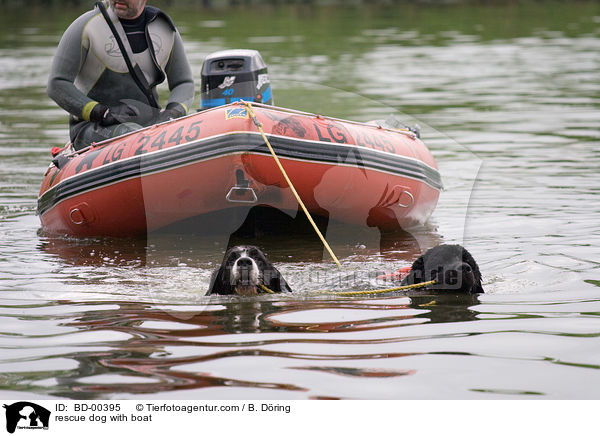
{"x":179,"y":77}
{"x":69,"y":57}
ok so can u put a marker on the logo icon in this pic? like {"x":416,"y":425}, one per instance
{"x":26,"y":415}
{"x":236,"y":112}
{"x":112,"y":48}
{"x":263,"y":79}
{"x":227,"y":82}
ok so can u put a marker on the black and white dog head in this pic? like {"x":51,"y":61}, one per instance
{"x":451,"y":266}
{"x":244,"y":271}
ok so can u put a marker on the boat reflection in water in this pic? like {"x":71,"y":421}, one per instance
{"x":176,"y":348}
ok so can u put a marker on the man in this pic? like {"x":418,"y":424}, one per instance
{"x":90,"y":77}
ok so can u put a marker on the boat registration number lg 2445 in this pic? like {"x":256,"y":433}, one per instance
{"x":144,"y":144}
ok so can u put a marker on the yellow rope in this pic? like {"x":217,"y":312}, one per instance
{"x":381,"y":291}
{"x":372,"y":291}
{"x":264,"y":288}
{"x":289,"y":182}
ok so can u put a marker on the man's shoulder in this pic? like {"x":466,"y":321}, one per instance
{"x":87,"y":16}
{"x":84,"y":19}
{"x":79,"y":26}
{"x":154,"y":13}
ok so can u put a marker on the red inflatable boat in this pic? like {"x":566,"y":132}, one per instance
{"x":217,"y":159}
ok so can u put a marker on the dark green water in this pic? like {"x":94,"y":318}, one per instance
{"x":508,"y":97}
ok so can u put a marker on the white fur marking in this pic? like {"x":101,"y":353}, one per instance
{"x":254,"y":273}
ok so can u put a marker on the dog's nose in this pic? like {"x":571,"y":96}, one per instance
{"x":244,"y":262}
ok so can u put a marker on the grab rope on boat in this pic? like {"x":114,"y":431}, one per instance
{"x":258,"y":124}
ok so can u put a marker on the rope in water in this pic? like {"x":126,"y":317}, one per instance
{"x":258,"y":124}
{"x":372,"y":291}
{"x":381,"y":291}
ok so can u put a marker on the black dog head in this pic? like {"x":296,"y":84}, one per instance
{"x":451,"y":266}
{"x":243,"y":271}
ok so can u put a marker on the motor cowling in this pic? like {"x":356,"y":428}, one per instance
{"x":233,"y":75}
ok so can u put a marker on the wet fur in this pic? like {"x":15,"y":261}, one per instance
{"x":244,"y":268}
{"x":451,"y":265}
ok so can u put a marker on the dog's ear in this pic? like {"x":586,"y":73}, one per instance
{"x":220,"y":283}
{"x":478,"y":288}
{"x":213,"y":280}
{"x":419,"y":264}
{"x":275,"y":281}
{"x":417,"y":272}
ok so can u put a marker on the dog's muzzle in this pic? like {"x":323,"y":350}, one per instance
{"x":245,"y":276}
{"x":456,"y":278}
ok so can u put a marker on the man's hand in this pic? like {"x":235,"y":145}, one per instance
{"x":110,"y":115}
{"x":172,"y":111}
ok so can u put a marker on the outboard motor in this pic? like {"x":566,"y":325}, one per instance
{"x":233,"y":75}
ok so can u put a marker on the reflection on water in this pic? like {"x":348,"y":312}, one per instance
{"x":507,"y":98}
{"x":297,"y":348}
{"x":141,"y":348}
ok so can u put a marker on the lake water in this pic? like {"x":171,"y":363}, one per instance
{"x":508,"y":99}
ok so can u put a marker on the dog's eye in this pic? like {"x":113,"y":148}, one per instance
{"x":258,"y":256}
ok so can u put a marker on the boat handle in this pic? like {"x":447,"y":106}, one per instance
{"x":412,"y":200}
{"x":239,"y":190}
{"x":76,"y":217}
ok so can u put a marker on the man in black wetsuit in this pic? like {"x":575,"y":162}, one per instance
{"x":91,"y":80}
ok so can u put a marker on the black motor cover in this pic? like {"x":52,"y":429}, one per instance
{"x":233,"y":75}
